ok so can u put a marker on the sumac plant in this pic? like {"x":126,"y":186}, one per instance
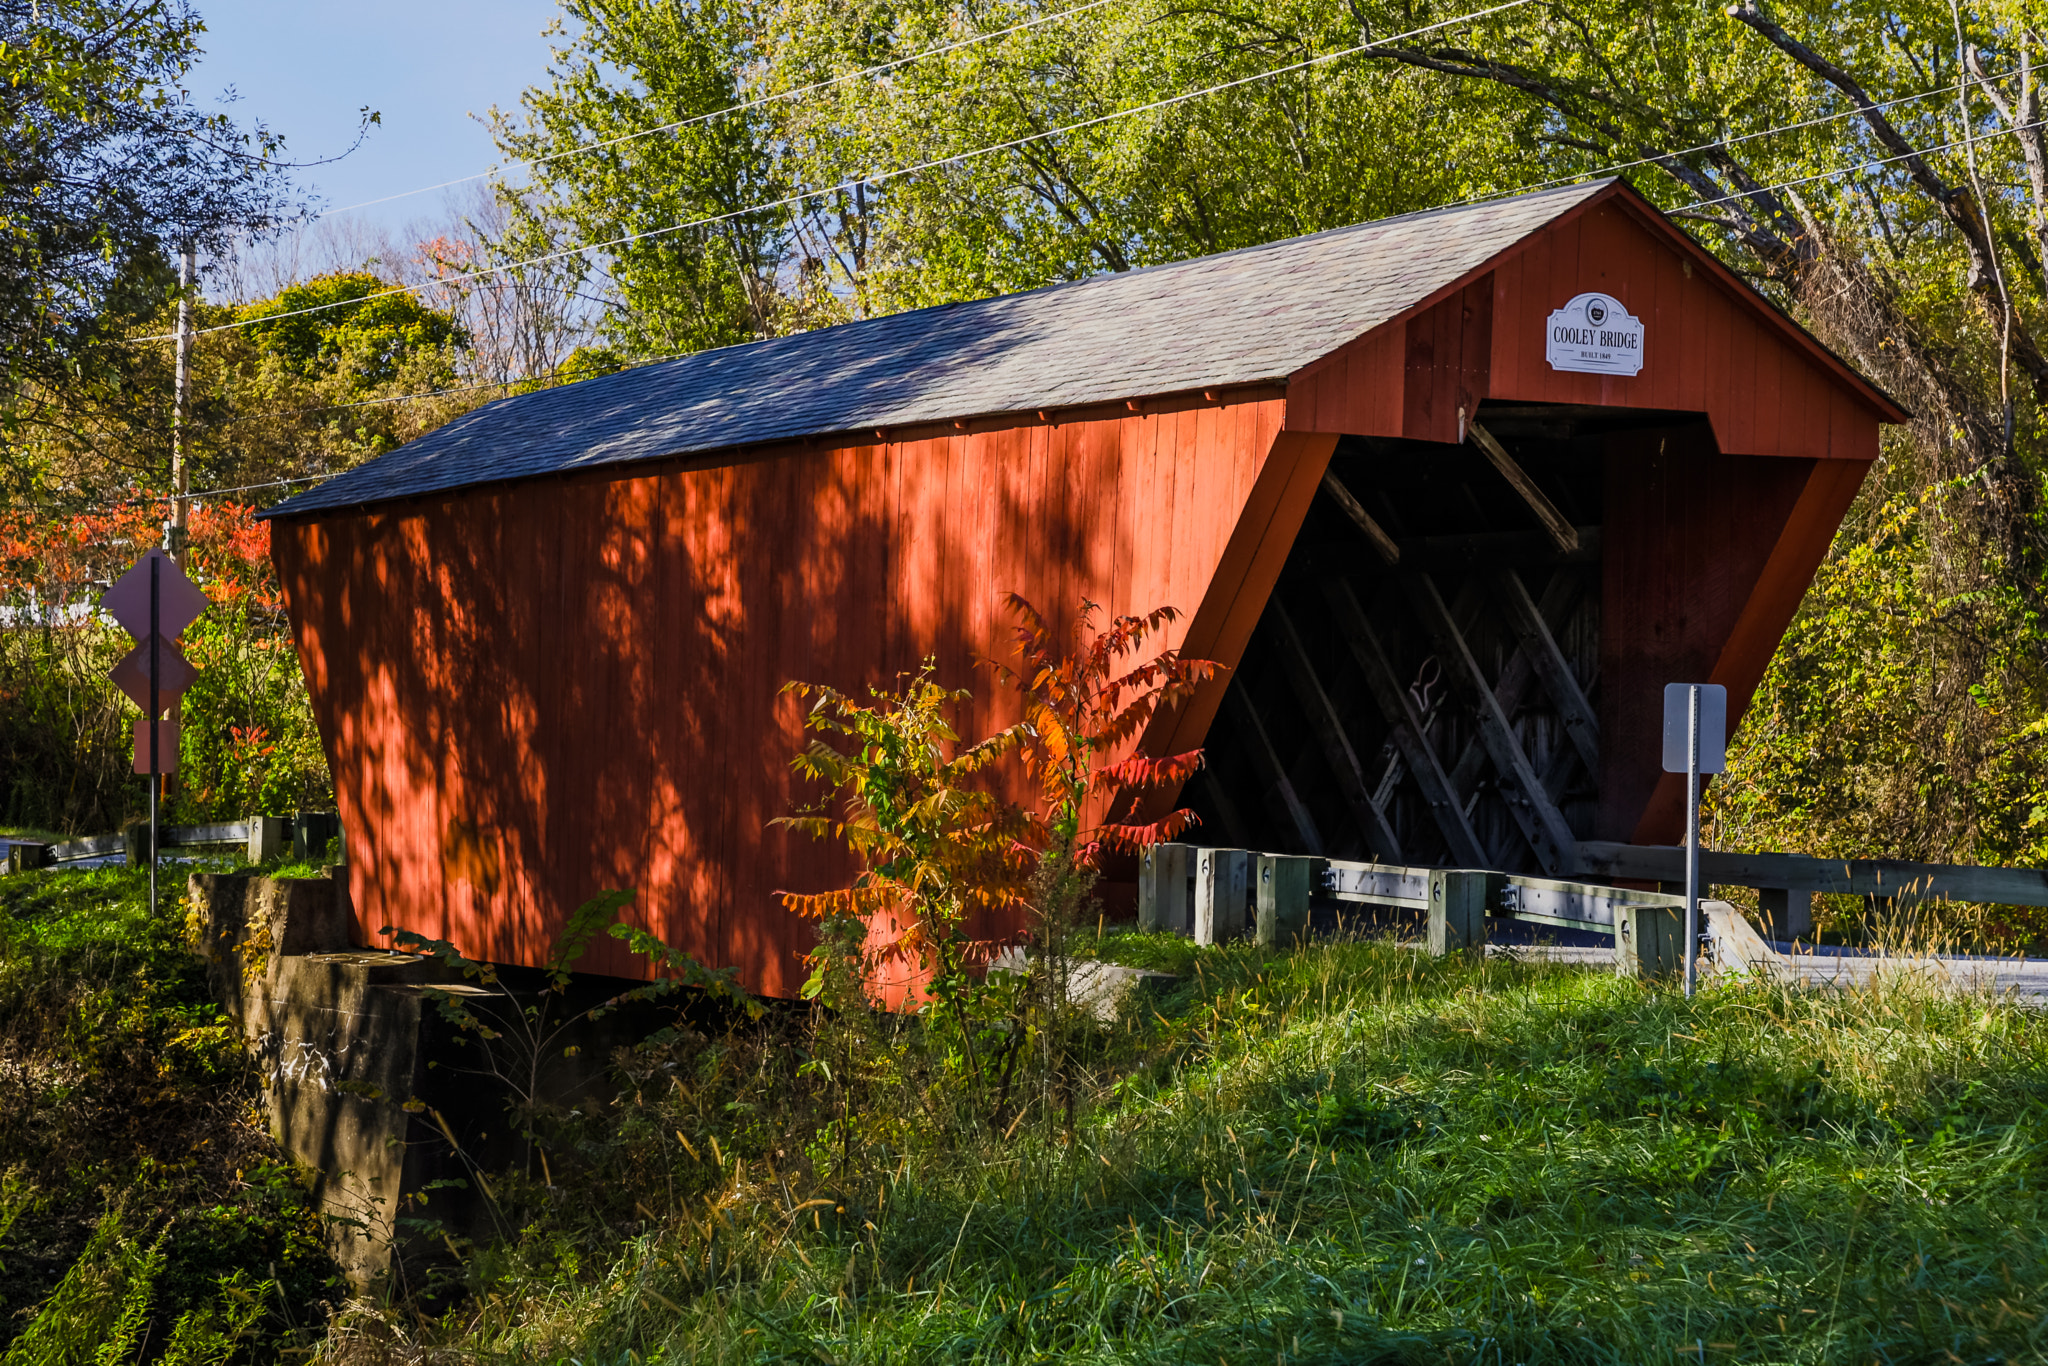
{"x":944,"y":854}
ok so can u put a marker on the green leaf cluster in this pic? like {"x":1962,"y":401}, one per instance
{"x":351,"y":322}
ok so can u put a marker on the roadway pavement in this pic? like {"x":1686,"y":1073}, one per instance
{"x":1827,"y":965}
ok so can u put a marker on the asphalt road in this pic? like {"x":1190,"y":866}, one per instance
{"x":2022,"y":978}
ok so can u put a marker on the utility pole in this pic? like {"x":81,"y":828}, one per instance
{"x":181,"y":413}
{"x":175,"y":529}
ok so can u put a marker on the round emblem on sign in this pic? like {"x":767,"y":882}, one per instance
{"x":1595,"y":334}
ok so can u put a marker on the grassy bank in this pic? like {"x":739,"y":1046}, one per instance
{"x":1355,"y":1154}
{"x":144,"y":1213}
{"x":1349,"y":1153}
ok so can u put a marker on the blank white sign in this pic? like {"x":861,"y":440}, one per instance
{"x":1713,"y":727}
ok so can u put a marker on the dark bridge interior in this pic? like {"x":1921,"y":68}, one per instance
{"x":1424,"y":685}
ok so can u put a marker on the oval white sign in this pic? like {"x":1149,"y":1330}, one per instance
{"x":1594,"y":335}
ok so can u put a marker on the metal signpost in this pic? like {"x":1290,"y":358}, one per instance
{"x":153,"y":601}
{"x":1695,"y":742}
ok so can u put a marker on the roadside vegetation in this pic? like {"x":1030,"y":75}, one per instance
{"x":1349,"y":1152}
{"x":1343,"y":1152}
{"x":144,"y":1213}
{"x":1338,"y":1151}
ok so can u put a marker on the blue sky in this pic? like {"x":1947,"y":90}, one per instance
{"x":306,"y":68}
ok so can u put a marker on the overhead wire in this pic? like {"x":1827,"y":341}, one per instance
{"x":199,"y":494}
{"x":1171,"y":100}
{"x":1857,"y":166}
{"x":1662,"y":157}
{"x":793,"y":93}
{"x":1476,"y":199}
{"x":872,"y":178}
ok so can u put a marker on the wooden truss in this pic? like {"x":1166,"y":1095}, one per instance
{"x":1407,"y":698}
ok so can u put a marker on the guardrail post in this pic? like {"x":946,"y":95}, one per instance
{"x":1649,"y":941}
{"x":135,"y":843}
{"x":1283,"y":888}
{"x":269,"y":837}
{"x":312,"y":833}
{"x":1163,"y":900}
{"x":1222,"y":888}
{"x":1457,"y":910}
{"x":1788,"y":911}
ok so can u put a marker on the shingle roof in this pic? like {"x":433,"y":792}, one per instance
{"x":1257,"y":314}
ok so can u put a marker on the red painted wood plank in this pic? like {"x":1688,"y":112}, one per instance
{"x":1661,"y":324}
{"x":1516,"y":326}
{"x":1738,"y":384}
{"x":1821,"y":496}
{"x":1767,"y":400}
{"x":1853,"y":432}
{"x":1249,"y":566}
{"x":1690,"y":535}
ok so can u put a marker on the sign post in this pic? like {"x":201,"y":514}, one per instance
{"x":155,"y":711}
{"x":1695,"y":742}
{"x":154,"y":600}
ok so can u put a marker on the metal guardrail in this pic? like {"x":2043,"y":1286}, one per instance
{"x":264,"y":837}
{"x":1512,"y":896}
{"x":1207,"y":893}
{"x":169,"y":837}
{"x":1887,"y":878}
{"x":1211,"y":894}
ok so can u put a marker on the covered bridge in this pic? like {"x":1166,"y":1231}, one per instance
{"x":1451,"y":495}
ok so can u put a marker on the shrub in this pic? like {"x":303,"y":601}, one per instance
{"x":248,"y":744}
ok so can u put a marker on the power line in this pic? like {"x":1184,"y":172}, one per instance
{"x":742,"y":107}
{"x":1724,"y":142}
{"x":1540,"y":185}
{"x":873,"y":179}
{"x":1613,"y":169}
{"x":1859,"y":166}
{"x":555,"y":373}
{"x":141,"y":499}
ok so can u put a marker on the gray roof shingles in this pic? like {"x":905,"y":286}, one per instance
{"x":1257,"y":314}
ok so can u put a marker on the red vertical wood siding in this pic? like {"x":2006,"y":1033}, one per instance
{"x":1711,"y":346}
{"x":1705,"y":559}
{"x":534,"y":692}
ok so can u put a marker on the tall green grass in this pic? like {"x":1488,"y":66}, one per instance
{"x":1353,"y":1153}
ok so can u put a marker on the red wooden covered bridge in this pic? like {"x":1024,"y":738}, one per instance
{"x":1451,"y":495}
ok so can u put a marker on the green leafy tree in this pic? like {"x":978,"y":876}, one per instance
{"x":350,"y":323}
{"x":621,"y":152}
{"x":106,"y":170}
{"x":1318,"y":147}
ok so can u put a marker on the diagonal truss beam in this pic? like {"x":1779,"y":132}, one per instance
{"x":1548,"y":663}
{"x":1234,"y":828}
{"x":1559,"y":597}
{"x":1355,"y":510}
{"x":1406,"y":727}
{"x":1556,"y":523}
{"x":1268,"y":760}
{"x":1541,"y":822}
{"x":1337,"y":751}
